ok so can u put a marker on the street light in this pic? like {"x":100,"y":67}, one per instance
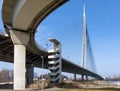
{"x":42,"y":71}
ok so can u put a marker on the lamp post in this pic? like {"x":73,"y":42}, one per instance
{"x":42,"y":71}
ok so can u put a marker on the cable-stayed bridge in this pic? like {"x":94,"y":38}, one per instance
{"x":87,"y":54}
{"x":18,"y":46}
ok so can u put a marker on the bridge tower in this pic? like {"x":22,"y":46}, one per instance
{"x":54,"y":63}
{"x":88,"y":61}
{"x":84,"y":42}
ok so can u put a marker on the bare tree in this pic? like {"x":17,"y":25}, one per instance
{"x":6,"y":75}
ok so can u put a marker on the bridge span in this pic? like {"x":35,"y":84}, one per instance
{"x":20,"y":19}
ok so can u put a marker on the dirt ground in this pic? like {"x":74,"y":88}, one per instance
{"x":51,"y":89}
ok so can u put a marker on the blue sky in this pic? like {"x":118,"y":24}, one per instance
{"x":103,"y":19}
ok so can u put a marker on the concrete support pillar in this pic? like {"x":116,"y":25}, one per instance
{"x":82,"y":77}
{"x":20,"y":40}
{"x":86,"y":77}
{"x":75,"y":77}
{"x":29,"y":74}
{"x":19,"y":66}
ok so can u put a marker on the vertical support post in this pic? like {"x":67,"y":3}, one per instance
{"x":42,"y":72}
{"x":75,"y":77}
{"x":29,"y":73}
{"x":86,"y":77}
{"x":82,"y":77}
{"x":19,"y":66}
{"x":20,"y":40}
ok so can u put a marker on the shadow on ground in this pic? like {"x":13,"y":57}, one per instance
{"x":6,"y":86}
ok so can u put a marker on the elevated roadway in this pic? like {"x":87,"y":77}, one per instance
{"x":7,"y":55}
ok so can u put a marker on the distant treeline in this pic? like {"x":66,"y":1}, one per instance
{"x":113,"y":78}
{"x":6,"y":75}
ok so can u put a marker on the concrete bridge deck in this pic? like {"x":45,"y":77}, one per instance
{"x":7,"y":55}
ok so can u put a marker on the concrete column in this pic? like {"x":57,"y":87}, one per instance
{"x":82,"y":77}
{"x":29,"y":74}
{"x":86,"y":77}
{"x":20,"y":40}
{"x":75,"y":77}
{"x":19,"y":67}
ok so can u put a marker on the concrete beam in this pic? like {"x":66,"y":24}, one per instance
{"x":19,"y":37}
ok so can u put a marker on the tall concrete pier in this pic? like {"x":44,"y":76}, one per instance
{"x":20,"y":41}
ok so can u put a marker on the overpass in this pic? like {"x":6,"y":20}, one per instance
{"x":21,"y":18}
